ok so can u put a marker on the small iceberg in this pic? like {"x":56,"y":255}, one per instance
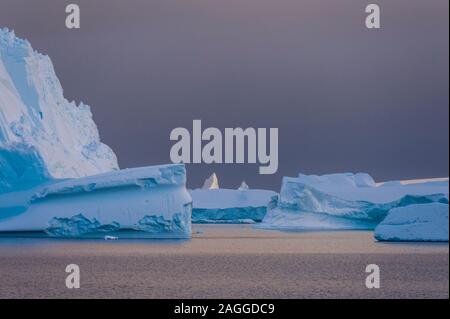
{"x":423,"y":222}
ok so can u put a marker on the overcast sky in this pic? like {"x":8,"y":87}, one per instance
{"x":344,"y":98}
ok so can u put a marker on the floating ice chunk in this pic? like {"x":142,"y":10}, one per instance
{"x":231,"y":206}
{"x":424,"y":222}
{"x":107,"y":237}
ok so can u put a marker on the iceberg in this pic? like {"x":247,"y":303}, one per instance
{"x":231,"y":206}
{"x":57,"y":177}
{"x":423,"y":222}
{"x":42,"y":135}
{"x":150,"y":201}
{"x":243,"y":186}
{"x":345,"y":201}
{"x":211,"y":182}
{"x":214,"y":205}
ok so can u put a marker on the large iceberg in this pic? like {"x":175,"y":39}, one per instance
{"x":345,"y":201}
{"x":423,"y":222}
{"x":55,"y":174}
{"x":231,"y":206}
{"x":150,"y":200}
{"x":42,"y":135}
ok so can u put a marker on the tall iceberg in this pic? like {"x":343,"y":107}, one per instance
{"x":345,"y":201}
{"x":55,"y":174}
{"x":42,"y":135}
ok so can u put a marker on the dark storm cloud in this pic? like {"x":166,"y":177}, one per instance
{"x":343,"y":97}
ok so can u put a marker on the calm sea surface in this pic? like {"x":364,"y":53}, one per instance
{"x":225,"y":261}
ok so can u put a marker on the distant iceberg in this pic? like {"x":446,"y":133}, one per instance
{"x":230,"y":206}
{"x":424,"y":222}
{"x":243,"y":186}
{"x":55,"y":174}
{"x":211,"y":182}
{"x":345,"y":201}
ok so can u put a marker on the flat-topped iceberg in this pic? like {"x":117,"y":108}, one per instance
{"x":230,"y":205}
{"x":151,"y":200}
{"x":424,"y":222}
{"x":345,"y":201}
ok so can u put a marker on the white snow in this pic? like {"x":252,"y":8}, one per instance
{"x":42,"y":135}
{"x":424,"y":222}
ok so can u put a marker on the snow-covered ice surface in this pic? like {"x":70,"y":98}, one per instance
{"x":152,"y":200}
{"x":423,"y":222}
{"x":55,"y":174}
{"x":230,"y":205}
{"x":42,"y":135}
{"x":345,"y":201}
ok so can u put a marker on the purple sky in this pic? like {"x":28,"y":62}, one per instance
{"x":343,"y":97}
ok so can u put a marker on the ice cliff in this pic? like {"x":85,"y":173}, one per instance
{"x":55,"y":174}
{"x":150,"y":201}
{"x":345,"y":201}
{"x":42,"y":135}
